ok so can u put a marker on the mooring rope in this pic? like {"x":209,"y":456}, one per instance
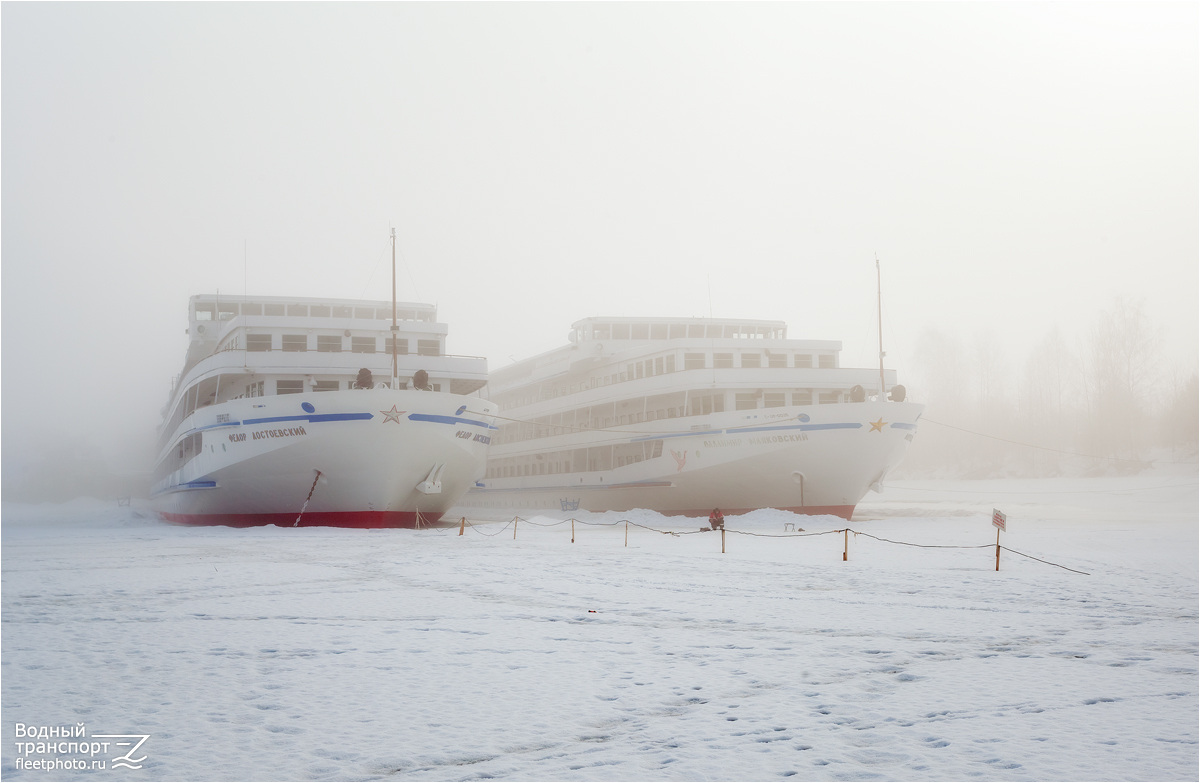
{"x":310,"y":494}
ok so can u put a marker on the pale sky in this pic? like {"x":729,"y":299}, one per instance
{"x":1014,"y":166}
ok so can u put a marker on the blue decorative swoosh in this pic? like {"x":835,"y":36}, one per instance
{"x":450,"y":420}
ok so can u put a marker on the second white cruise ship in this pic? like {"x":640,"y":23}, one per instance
{"x":682,"y":416}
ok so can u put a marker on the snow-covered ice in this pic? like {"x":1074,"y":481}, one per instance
{"x":298,"y":654}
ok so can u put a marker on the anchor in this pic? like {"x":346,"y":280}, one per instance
{"x":432,"y":485}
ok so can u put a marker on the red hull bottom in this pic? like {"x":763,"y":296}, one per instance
{"x":354,"y":519}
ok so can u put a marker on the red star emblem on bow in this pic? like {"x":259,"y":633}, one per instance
{"x":392,"y":415}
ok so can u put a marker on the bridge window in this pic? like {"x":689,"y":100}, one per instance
{"x":289,"y":387}
{"x":329,"y":343}
{"x":295,"y":342}
{"x":362,"y":344}
{"x":258,"y":342}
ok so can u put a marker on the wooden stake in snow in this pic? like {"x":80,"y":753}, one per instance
{"x":846,"y":549}
{"x":722,"y":539}
{"x":999,"y":520}
{"x":462,"y":526}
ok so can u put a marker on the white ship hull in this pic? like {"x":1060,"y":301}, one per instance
{"x":816,"y":459}
{"x":349,"y":458}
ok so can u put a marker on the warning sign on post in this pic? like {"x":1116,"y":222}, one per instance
{"x":998,"y":519}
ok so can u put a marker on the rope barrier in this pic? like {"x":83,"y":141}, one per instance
{"x":1047,"y":562}
{"x":492,"y":535}
{"x":802,"y":534}
{"x":924,"y":546}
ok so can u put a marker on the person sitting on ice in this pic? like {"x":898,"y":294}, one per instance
{"x":716,"y":520}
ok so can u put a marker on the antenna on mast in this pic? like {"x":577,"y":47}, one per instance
{"x":879,"y":298}
{"x":395,"y":326}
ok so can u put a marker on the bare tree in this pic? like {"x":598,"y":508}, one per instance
{"x":1124,"y":371}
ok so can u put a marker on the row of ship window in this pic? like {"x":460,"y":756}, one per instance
{"x":677,"y":331}
{"x":661,"y":365}
{"x":336,"y":343}
{"x":302,"y":386}
{"x":594,"y":458}
{"x":282,"y":386}
{"x":594,"y":418}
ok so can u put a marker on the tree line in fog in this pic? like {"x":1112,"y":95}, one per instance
{"x":1101,"y":403}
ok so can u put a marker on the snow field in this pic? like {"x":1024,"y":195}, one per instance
{"x":298,"y":654}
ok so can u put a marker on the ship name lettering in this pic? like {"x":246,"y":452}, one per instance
{"x":286,"y":432}
{"x":712,"y":444}
{"x":484,"y":439}
{"x":462,"y":434}
{"x":237,"y":437}
{"x":791,"y":438}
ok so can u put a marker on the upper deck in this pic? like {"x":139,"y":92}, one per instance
{"x":598,"y":342}
{"x":251,"y":346}
{"x":260,"y":324}
{"x":676,"y":329}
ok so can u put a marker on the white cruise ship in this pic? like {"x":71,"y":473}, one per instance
{"x":682,"y":416}
{"x":296,"y":411}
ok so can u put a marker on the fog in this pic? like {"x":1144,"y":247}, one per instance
{"x":1022,"y":172}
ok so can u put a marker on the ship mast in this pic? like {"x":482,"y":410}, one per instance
{"x":395,"y":326}
{"x":879,"y":300}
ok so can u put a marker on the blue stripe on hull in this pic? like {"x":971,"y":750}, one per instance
{"x":436,"y":419}
{"x":313,"y":417}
